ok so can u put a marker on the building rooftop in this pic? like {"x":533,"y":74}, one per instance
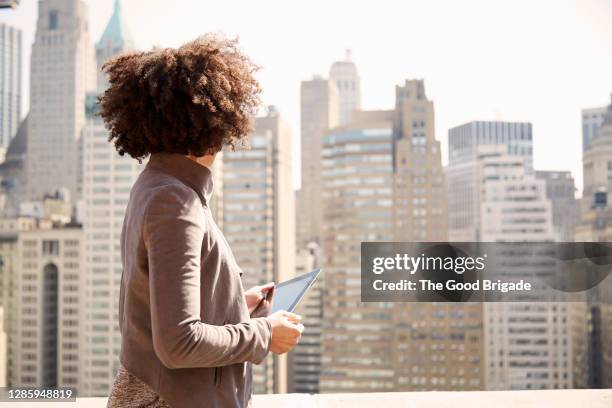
{"x":116,"y":31}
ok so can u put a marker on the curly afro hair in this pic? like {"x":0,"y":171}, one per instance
{"x":193,"y":100}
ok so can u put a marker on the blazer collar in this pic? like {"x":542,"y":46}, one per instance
{"x":193,"y":174}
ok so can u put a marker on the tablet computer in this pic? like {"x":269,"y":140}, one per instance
{"x":288,"y":294}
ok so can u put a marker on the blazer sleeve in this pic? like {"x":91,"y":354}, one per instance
{"x":173,"y":232}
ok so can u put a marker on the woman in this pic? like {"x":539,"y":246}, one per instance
{"x":189,"y":331}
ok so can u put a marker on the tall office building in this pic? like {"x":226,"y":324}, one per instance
{"x":10,"y":227}
{"x":115,"y":39}
{"x":596,"y":226}
{"x":561,"y":190}
{"x":344,"y":74}
{"x":258,"y":216}
{"x":318,"y":113}
{"x":383,"y":181}
{"x":10,"y":84}
{"x":463,"y":141}
{"x":420,"y":210}
{"x":58,"y":87}
{"x":441,"y":349}
{"x":44,"y":323}
{"x":592,"y":119}
{"x":467,"y":146}
{"x":527,"y":345}
{"x":357,"y":182}
{"x":107,"y":180}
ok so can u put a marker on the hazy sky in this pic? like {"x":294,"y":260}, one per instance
{"x":528,"y":60}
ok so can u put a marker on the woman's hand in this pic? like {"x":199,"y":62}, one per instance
{"x":258,"y":306}
{"x":286,"y":331}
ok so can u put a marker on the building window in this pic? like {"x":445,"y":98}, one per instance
{"x":53,"y":20}
{"x":50,"y":247}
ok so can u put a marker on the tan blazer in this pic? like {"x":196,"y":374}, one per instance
{"x":185,"y":326}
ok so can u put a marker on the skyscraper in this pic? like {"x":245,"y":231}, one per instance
{"x":107,"y":180}
{"x":58,"y":86}
{"x":592,"y":119}
{"x":527,"y":345}
{"x":596,"y":226}
{"x":357,"y":183}
{"x":420,"y":212}
{"x":10,"y":78}
{"x":44,"y":322}
{"x":258,"y":215}
{"x":467,"y":147}
{"x":383,"y":181}
{"x":463,"y":140}
{"x":561,"y":190}
{"x":344,"y":74}
{"x":10,"y":228}
{"x":318,"y":113}
{"x":115,"y":39}
{"x":441,"y":347}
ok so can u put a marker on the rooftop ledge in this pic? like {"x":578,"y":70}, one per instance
{"x":468,"y":399}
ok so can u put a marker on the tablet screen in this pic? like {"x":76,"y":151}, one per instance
{"x":288,"y":294}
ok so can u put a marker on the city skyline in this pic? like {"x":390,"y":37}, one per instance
{"x":368,"y":175}
{"x":509,"y":81}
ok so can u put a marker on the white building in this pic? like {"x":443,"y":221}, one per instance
{"x":469,"y":145}
{"x":58,"y":86}
{"x":258,"y":215}
{"x":344,"y":74}
{"x":107,"y":181}
{"x":44,"y":307}
{"x":10,"y":78}
{"x":527,"y":344}
{"x":464,"y":140}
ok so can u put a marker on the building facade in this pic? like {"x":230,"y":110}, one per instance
{"x":596,"y":226}
{"x":346,"y":77}
{"x":319,"y":110}
{"x":527,"y":344}
{"x":437,"y":346}
{"x":420,"y":204}
{"x":258,"y":215}
{"x":107,"y":181}
{"x":10,"y":227}
{"x":10,"y":84}
{"x":383,"y":181}
{"x":44,"y":319}
{"x":58,"y":87}
{"x":592,"y":119}
{"x":468,"y":146}
{"x":561,"y":191}
{"x":357,"y":182}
